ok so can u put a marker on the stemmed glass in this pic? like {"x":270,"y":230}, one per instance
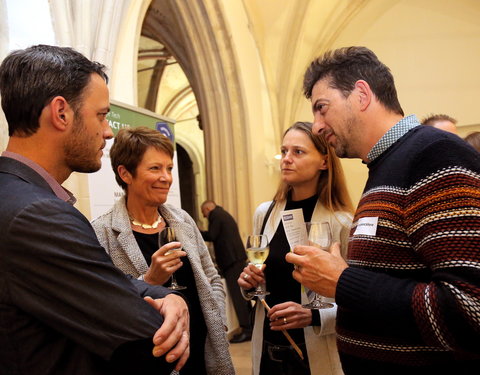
{"x":257,"y":252}
{"x":168,"y":235}
{"x":320,"y":236}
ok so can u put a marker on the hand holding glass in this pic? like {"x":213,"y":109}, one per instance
{"x":257,"y":253}
{"x":168,"y":235}
{"x":320,"y":236}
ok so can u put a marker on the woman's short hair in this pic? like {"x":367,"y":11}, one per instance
{"x":130,"y":145}
{"x":331,"y":188}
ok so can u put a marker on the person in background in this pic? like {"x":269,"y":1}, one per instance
{"x":442,"y":122}
{"x":312,"y":180}
{"x":409,"y":296}
{"x":230,"y":257}
{"x":65,"y":308}
{"x":142,"y":160}
{"x":474,"y":140}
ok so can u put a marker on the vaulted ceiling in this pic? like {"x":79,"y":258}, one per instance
{"x":278,"y":29}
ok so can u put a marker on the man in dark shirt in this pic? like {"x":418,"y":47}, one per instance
{"x":64,"y":307}
{"x":230,"y":257}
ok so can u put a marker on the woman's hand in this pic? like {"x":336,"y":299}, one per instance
{"x":163,"y":264}
{"x":289,"y":315}
{"x":251,"y":277}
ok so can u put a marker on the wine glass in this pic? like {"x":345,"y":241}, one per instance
{"x":257,"y":253}
{"x":320,"y":236}
{"x":168,"y":235}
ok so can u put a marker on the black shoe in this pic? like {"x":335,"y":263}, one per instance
{"x":241,"y":337}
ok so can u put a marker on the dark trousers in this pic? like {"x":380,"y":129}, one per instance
{"x":283,"y":360}
{"x":243,"y":308}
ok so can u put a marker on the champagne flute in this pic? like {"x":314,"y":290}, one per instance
{"x":320,"y":236}
{"x":257,"y":253}
{"x":168,"y":235}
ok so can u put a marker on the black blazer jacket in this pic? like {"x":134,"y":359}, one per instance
{"x":64,"y":307}
{"x":227,"y":243}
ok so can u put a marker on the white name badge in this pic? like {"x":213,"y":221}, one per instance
{"x":294,"y":226}
{"x":367,"y":226}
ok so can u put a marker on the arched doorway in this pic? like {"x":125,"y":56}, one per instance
{"x":187,"y":182}
{"x":187,"y":33}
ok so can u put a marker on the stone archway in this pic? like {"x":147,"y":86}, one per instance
{"x":195,"y":33}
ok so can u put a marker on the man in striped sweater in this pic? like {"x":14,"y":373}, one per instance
{"x":409,"y":297}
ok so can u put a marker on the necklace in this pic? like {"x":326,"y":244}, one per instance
{"x":154,"y":225}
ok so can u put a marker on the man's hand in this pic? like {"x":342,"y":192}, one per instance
{"x":173,"y":337}
{"x":317,"y":269}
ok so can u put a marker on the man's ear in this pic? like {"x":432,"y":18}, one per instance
{"x":61,"y":114}
{"x":365,"y":94}
{"x":125,"y":175}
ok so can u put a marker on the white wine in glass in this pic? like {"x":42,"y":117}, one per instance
{"x":257,"y":253}
{"x":320,"y":236}
{"x":168,"y":235}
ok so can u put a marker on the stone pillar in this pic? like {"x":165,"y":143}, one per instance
{"x":197,"y":34}
{"x":91,"y":27}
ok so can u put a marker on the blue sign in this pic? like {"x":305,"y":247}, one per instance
{"x":163,"y":128}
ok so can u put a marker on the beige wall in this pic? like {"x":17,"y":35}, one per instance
{"x":432,"y":48}
{"x":260,"y":117}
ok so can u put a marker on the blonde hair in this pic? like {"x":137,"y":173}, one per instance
{"x":331,"y":188}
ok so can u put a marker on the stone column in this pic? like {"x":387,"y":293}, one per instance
{"x":92,"y":28}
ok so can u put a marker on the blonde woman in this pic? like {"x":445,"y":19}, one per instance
{"x":311,"y":179}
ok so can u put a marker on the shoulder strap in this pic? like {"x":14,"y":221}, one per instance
{"x":266,"y":216}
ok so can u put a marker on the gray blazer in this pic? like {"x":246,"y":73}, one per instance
{"x":115,"y":234}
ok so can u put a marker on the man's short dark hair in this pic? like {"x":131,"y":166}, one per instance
{"x":345,"y":66}
{"x":31,"y":78}
{"x":434,"y":118}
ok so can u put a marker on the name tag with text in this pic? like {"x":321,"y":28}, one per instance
{"x":367,"y":226}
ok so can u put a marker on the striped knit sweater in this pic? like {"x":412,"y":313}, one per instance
{"x":411,"y":296}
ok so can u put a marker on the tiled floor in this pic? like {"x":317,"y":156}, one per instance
{"x":241,"y":358}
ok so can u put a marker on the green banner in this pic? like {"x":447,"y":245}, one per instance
{"x":103,"y":190}
{"x":123,"y":116}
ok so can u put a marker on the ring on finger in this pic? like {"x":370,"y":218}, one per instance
{"x":285,"y":321}
{"x":246,"y":276}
